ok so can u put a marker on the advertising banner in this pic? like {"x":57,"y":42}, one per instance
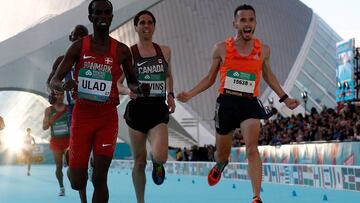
{"x":345,"y":88}
{"x":339,"y":153}
{"x":318,"y":176}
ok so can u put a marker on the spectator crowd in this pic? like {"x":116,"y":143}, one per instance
{"x":327,"y":125}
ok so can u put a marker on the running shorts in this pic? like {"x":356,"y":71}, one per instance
{"x":231,"y":110}
{"x":94,"y":127}
{"x":146,"y":113}
{"x":59,"y":144}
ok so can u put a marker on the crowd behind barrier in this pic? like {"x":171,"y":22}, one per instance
{"x":328,"y":126}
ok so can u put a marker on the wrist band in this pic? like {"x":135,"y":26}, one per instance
{"x":283,"y":98}
{"x":171,"y":94}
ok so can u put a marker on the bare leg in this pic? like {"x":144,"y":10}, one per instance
{"x":138,"y":145}
{"x":58,"y":157}
{"x":223,"y":148}
{"x":82,"y":191}
{"x":250,"y":130}
{"x":28,"y":160}
{"x":158,"y":138}
{"x":28,"y":167}
{"x":82,"y":194}
{"x":99,"y":179}
{"x":78,"y":178}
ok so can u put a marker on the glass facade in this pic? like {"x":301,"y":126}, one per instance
{"x":318,"y":72}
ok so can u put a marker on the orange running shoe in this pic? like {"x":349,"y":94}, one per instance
{"x":214,"y":175}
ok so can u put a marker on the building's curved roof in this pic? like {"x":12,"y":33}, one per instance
{"x":190,"y":28}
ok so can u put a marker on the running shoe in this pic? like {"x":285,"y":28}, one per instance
{"x":256,"y":200}
{"x":158,"y":173}
{"x":62,"y":191}
{"x":214,"y":175}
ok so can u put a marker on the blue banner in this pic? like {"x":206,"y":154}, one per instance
{"x":318,"y":176}
{"x":345,"y":88}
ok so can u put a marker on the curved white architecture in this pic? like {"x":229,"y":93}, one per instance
{"x":302,"y":52}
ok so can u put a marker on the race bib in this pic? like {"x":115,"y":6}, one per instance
{"x":237,"y":81}
{"x":60,"y":129}
{"x":94,"y":85}
{"x":156,"y":82}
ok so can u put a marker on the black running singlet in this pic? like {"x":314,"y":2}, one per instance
{"x":151,"y":70}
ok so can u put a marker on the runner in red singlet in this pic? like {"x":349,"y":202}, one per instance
{"x":77,"y":33}
{"x":241,"y":60}
{"x":95,"y":121}
{"x":56,"y":118}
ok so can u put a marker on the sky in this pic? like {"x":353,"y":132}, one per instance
{"x":342,"y":15}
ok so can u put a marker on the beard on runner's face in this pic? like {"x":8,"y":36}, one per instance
{"x":245,"y":22}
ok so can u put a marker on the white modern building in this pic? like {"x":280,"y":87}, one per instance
{"x":302,"y":55}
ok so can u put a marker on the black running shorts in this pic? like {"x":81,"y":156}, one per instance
{"x":145,"y":113}
{"x":230,"y":111}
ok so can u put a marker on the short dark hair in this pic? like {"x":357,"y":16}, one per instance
{"x":244,"y":7}
{"x":82,"y":28}
{"x":143,"y":12}
{"x":90,"y":7}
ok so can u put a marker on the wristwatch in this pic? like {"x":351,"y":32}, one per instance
{"x":283,"y":98}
